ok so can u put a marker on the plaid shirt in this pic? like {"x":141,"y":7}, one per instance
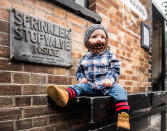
{"x":97,"y":67}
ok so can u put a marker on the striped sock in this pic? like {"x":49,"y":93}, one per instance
{"x":71,"y":93}
{"x":122,"y":106}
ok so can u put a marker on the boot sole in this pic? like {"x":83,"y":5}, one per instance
{"x":122,"y":128}
{"x":55,"y":95}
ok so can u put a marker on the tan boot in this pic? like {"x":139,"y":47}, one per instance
{"x":123,"y":121}
{"x":60,"y":96}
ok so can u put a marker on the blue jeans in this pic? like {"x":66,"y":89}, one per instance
{"x":116,"y":91}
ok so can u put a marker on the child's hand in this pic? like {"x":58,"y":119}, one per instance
{"x":107,"y":83}
{"x":83,"y":80}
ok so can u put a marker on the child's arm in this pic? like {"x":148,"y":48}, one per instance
{"x":113,"y":72}
{"x":80,"y":74}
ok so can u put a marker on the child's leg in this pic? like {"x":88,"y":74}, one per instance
{"x":122,"y":108}
{"x":82,"y":89}
{"x":62,"y":96}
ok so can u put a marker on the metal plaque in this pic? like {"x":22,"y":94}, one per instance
{"x":39,"y":41}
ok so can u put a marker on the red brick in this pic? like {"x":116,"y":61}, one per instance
{"x":91,"y":2}
{"x":77,"y":37}
{"x":5,"y":77}
{"x":62,"y":126}
{"x":39,"y":100}
{"x":21,"y":78}
{"x":38,"y":79}
{"x":59,"y":80}
{"x":92,"y":7}
{"x":124,"y":53}
{"x":58,"y":21}
{"x":113,"y":23}
{"x":113,"y":30}
{"x":11,"y":66}
{"x":134,"y":14}
{"x":130,"y":90}
{"x":128,"y":55}
{"x":18,"y":5}
{"x":4,"y":26}
{"x":76,"y":54}
{"x":119,"y":14}
{"x":103,"y":4}
{"x":136,"y":32}
{"x":72,"y":71}
{"x":75,"y":19}
{"x":129,"y":43}
{"x":124,"y":65}
{"x":116,"y":19}
{"x":6,"y":102}
{"x":128,"y":83}
{"x":135,"y":67}
{"x":142,"y":89}
{"x":5,"y":3}
{"x":101,"y":9}
{"x":61,"y":71}
{"x":136,"y":89}
{"x":4,"y":52}
{"x":75,"y":63}
{"x":128,"y":60}
{"x":44,"y":5}
{"x":120,"y":27}
{"x":59,"y":12}
{"x":4,"y":39}
{"x":129,"y":49}
{"x":28,"y":2}
{"x":128,"y":78}
{"x":10,"y":114}
{"x":40,"y":14}
{"x":36,"y":111}
{"x":123,"y":77}
{"x":77,"y":28}
{"x":24,"y":124}
{"x":114,"y":4}
{"x":22,"y":101}
{"x":4,"y":14}
{"x":10,"y":90}
{"x":74,"y":81}
{"x":46,"y":128}
{"x":6,"y":126}
{"x":41,"y":121}
{"x":146,"y":66}
{"x":55,"y":119}
{"x":33,"y":90}
{"x":38,"y":68}
{"x":142,"y":69}
{"x":135,"y":78}
{"x":114,"y":43}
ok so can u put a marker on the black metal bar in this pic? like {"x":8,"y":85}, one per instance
{"x":163,"y":120}
{"x":163,"y":55}
{"x":154,"y":110}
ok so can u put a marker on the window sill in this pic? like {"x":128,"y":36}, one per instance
{"x":78,"y":10}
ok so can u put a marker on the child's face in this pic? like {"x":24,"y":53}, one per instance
{"x":97,"y":42}
{"x":97,"y":36}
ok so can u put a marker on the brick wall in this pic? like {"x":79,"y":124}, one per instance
{"x":23,"y":103}
{"x":124,"y":28}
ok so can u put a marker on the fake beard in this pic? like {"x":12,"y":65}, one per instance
{"x":97,"y":47}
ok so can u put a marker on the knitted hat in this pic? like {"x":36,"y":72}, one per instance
{"x":91,"y":29}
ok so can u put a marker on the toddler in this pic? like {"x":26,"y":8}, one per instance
{"x":97,"y":74}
